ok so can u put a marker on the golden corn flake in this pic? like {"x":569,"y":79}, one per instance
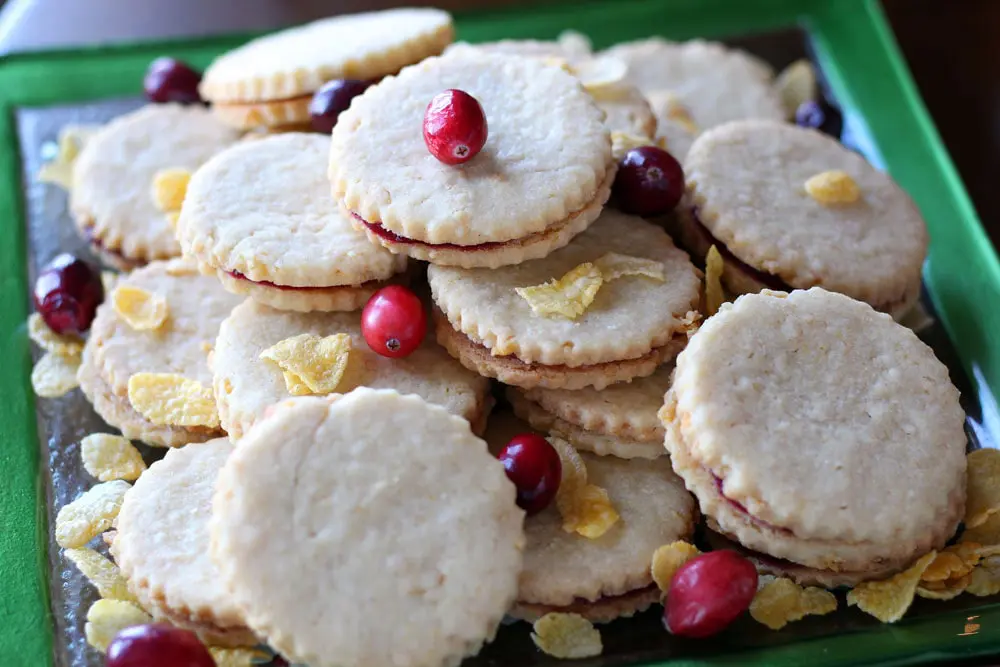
{"x":169,"y":188}
{"x":945,"y":589}
{"x":109,"y":457}
{"x":889,"y":599}
{"x":101,"y":572}
{"x":172,"y":218}
{"x":601,"y":76}
{"x":587,"y":511}
{"x":985,"y":579}
{"x":952,"y":562}
{"x":141,"y":310}
{"x":796,"y":84}
{"x":623,"y":142}
{"x":830,"y":188}
{"x":715,"y":296}
{"x":106,"y":618}
{"x":312,"y":365}
{"x":983,"y":486}
{"x":239,"y":657}
{"x":59,"y":169}
{"x":561,"y":63}
{"x":574,"y":470}
{"x":986,"y":533}
{"x":90,"y":514}
{"x":781,"y":601}
{"x":168,"y":399}
{"x":568,"y":296}
{"x":614,"y":266}
{"x":55,"y":375}
{"x":668,"y":558}
{"x":566,"y":636}
{"x":47,"y":339}
{"x":678,"y":112}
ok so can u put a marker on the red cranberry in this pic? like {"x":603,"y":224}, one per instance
{"x":819,"y":115}
{"x":170,"y":80}
{"x":67,"y":294}
{"x":157,"y":645}
{"x":649,"y":181}
{"x":331,"y":100}
{"x":534,"y":467}
{"x":708,"y":592}
{"x":393,"y":322}
{"x":455,"y":127}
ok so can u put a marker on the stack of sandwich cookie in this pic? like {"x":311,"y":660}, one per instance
{"x":633,"y":324}
{"x":814,"y":429}
{"x":542,"y":177}
{"x":260,"y":217}
{"x":269,"y":82}
{"x":112,"y":200}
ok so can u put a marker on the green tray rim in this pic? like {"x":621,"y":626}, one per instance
{"x":858,"y":53}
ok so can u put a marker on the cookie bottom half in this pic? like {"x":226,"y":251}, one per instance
{"x":602,"y":610}
{"x":300,"y":299}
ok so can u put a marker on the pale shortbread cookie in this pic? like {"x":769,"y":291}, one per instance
{"x":563,"y":569}
{"x":746,"y":181}
{"x":813,"y":428}
{"x":570,"y":46}
{"x":547,"y":158}
{"x":634,"y":321}
{"x":715,"y":84}
{"x":247,"y":385}
{"x":161,"y":544}
{"x":368,"y":529}
{"x":260,"y":215}
{"x":112,"y":198}
{"x":269,"y":81}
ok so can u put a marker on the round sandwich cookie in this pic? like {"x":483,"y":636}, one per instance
{"x":247,"y":384}
{"x":619,"y":420}
{"x":541,"y":178}
{"x":370,"y":528}
{"x":614,"y":304}
{"x":160,"y":320}
{"x":270,"y":81}
{"x":814,"y":429}
{"x":260,"y":217}
{"x":112,"y":196}
{"x":607,"y":577}
{"x":162,"y":542}
{"x":817,"y":215}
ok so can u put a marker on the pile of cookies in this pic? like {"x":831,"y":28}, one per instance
{"x":469,"y":350}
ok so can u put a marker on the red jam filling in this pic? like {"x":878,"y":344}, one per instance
{"x":768,"y":280}
{"x":288,"y":288}
{"x":743,"y":510}
{"x":393,"y":237}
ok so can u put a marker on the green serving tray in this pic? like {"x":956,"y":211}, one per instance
{"x":885,"y":117}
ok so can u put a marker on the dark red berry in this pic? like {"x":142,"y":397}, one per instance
{"x":649,"y":181}
{"x":157,"y":645}
{"x":533,"y":465}
{"x":67,"y":293}
{"x":393,"y":322}
{"x":455,"y":128}
{"x":708,"y":593}
{"x":170,"y":80}
{"x":819,"y":115}
{"x":331,"y":100}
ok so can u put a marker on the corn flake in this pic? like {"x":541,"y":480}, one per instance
{"x":168,"y":399}
{"x":55,"y":375}
{"x":585,"y":508}
{"x":141,"y":310}
{"x":574,"y":470}
{"x":568,"y":296}
{"x":106,"y":618}
{"x":172,"y":218}
{"x":239,"y":657}
{"x":985,"y":579}
{"x":987,"y":533}
{"x":47,"y":339}
{"x":888,"y":600}
{"x":109,"y":457}
{"x":669,"y":558}
{"x":72,"y":139}
{"x":781,"y":601}
{"x":714,"y":294}
{"x":678,"y":112}
{"x":90,"y":514}
{"x":953,"y":562}
{"x":312,"y":365}
{"x":614,"y":266}
{"x":796,"y":84}
{"x":169,"y":188}
{"x":102,"y":573}
{"x":567,"y":636}
{"x":983,"y":486}
{"x":623,"y":142}
{"x":601,"y":76}
{"x":944,"y":589}
{"x":830,"y":188}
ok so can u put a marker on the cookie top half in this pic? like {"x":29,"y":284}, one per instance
{"x":748,"y":182}
{"x":546,"y":156}
{"x":299,"y":60}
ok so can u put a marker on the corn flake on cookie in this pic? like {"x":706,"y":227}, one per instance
{"x":260,"y":217}
{"x":541,"y":178}
{"x":398,"y":542}
{"x":268,"y":82}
